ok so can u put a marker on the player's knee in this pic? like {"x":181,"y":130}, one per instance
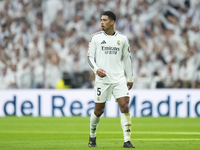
{"x":99,"y":112}
{"x":124,"y":108}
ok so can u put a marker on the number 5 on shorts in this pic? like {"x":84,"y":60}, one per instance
{"x":98,"y":91}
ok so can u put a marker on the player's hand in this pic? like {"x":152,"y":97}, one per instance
{"x":129,"y":85}
{"x":101,"y":72}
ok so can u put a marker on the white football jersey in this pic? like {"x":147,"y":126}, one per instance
{"x":106,"y":52}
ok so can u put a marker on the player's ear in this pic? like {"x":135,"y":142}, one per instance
{"x":112,"y":22}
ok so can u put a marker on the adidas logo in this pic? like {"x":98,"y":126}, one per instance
{"x":128,"y":130}
{"x":127,"y":125}
{"x":103,"y":42}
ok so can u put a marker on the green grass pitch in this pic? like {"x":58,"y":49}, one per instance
{"x":72,"y":133}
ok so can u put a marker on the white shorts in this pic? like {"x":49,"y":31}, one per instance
{"x":103,"y":92}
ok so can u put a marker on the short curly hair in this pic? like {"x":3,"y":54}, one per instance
{"x":110,"y":15}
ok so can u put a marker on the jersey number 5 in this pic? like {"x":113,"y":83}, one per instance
{"x":98,"y":91}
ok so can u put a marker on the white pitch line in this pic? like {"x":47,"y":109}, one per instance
{"x":157,"y":139}
{"x":60,"y":132}
{"x":178,"y":133}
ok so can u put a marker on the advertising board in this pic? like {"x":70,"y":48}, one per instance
{"x":73,"y":102}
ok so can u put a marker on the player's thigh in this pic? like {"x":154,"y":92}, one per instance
{"x":102,"y":92}
{"x":120,"y":90}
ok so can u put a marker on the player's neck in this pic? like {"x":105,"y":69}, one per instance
{"x":110,"y":31}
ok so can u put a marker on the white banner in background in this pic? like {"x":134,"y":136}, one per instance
{"x":47,"y":103}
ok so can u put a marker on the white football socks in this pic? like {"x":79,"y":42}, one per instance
{"x":126,"y":126}
{"x":94,"y":120}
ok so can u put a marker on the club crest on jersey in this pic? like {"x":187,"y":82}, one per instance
{"x":98,"y":98}
{"x":118,"y":42}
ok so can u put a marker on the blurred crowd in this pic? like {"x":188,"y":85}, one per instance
{"x":43,"y":43}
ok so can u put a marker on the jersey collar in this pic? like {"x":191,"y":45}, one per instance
{"x":115,"y":33}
